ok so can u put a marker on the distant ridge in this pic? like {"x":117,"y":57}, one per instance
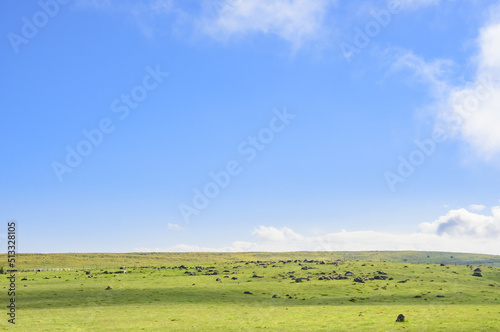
{"x":85,"y":260}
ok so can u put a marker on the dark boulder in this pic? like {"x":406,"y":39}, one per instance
{"x":401,"y":318}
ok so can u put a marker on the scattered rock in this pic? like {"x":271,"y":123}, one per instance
{"x":275,"y":296}
{"x":439,"y":295}
{"x":477,"y":274}
{"x":359,"y":279}
{"x":108,"y":288}
{"x":248,"y":292}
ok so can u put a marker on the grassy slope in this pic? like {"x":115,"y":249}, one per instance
{"x":77,"y":260}
{"x":155,"y":300}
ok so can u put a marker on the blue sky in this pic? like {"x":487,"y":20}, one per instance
{"x":230,"y":125}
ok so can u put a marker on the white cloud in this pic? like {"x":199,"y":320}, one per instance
{"x":174,"y":227}
{"x":276,"y":235}
{"x":469,"y":111}
{"x":477,"y":207}
{"x":457,"y":231}
{"x":296,"y":21}
{"x":464,"y":223}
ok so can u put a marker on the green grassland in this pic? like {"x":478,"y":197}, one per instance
{"x":157,"y":294}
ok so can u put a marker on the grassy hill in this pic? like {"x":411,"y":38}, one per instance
{"x":301,"y":291}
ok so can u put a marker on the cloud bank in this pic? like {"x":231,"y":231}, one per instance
{"x":457,"y":231}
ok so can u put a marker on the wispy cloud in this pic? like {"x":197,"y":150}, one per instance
{"x":298,"y":22}
{"x":295,"y":21}
{"x":174,"y":227}
{"x":142,"y":13}
{"x":276,"y":235}
{"x":434,"y":74}
{"x":477,"y":207}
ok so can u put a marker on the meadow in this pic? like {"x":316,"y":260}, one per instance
{"x":301,"y":291}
